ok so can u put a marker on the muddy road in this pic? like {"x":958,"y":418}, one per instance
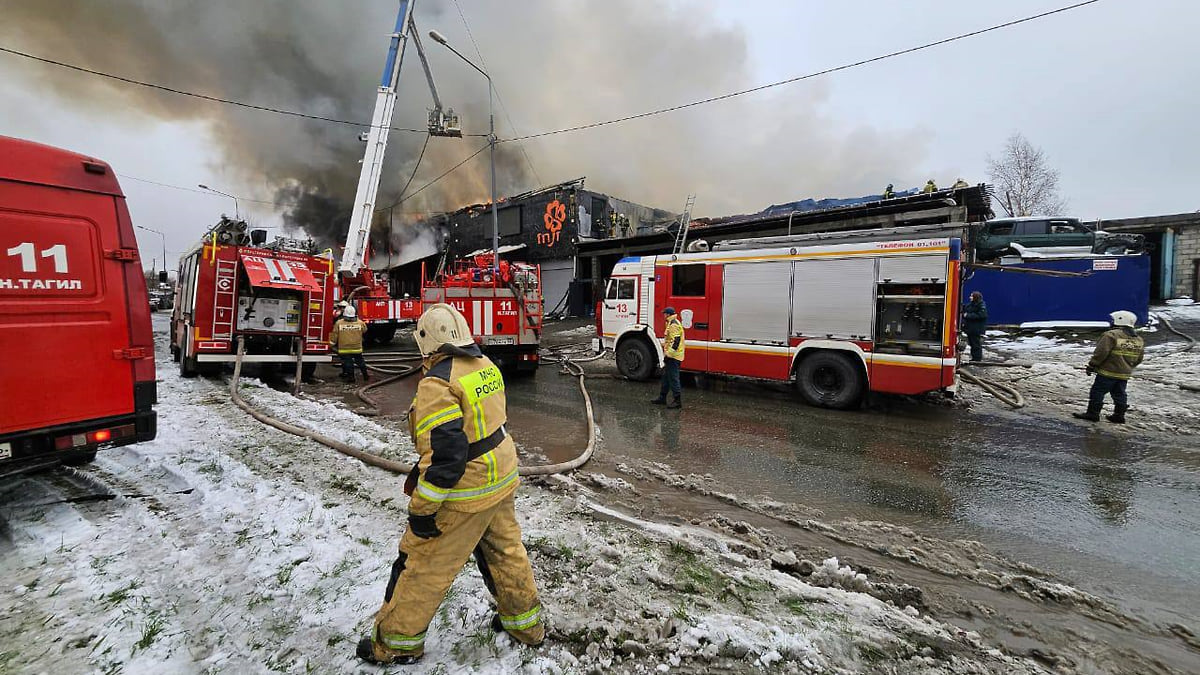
{"x":983,"y":509}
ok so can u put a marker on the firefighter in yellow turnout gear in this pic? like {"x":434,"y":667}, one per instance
{"x":462,"y":498}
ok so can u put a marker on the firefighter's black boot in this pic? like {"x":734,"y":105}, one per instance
{"x":659,"y":401}
{"x":366,"y":652}
{"x":1092,"y":414}
{"x":1118,"y":416}
{"x":676,"y":402}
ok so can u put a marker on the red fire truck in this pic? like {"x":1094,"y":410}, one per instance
{"x":233,"y":285}
{"x":76,"y":351}
{"x":502,"y":304}
{"x":836,"y":319}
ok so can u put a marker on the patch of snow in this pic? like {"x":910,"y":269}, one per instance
{"x":1029,"y":325}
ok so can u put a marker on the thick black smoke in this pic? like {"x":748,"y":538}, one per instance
{"x":555,"y":62}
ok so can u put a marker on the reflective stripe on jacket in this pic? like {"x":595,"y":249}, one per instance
{"x":673,"y":341}
{"x":468,"y":462}
{"x":347,"y":336}
{"x":1118,"y":352}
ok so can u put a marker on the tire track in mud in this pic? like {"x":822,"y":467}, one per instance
{"x":1013,"y":605}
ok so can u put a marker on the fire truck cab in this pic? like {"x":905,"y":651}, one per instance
{"x":76,"y":349}
{"x":276,"y":298}
{"x":838,"y":320}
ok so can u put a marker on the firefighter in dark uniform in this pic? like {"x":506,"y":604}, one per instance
{"x":974,"y":324}
{"x":1118,"y":352}
{"x":462,"y":493}
{"x":888,"y":192}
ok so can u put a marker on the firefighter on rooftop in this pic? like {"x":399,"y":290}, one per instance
{"x":462,"y":493}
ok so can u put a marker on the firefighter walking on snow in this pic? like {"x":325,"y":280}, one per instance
{"x":462,"y":493}
{"x":1118,"y":352}
{"x":673,"y":347}
{"x":347,"y":340}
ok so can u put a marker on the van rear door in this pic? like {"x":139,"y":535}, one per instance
{"x":64,"y":324}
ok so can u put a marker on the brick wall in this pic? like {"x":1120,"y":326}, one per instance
{"x":1187,"y":250}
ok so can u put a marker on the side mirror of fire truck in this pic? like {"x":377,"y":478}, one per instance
{"x":162,"y":277}
{"x":258,"y":237}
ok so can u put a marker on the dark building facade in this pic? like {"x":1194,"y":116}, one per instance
{"x":546,"y":226}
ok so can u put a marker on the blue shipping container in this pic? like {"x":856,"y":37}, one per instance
{"x":1115,"y":282}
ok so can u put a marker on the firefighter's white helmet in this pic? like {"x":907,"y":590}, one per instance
{"x":1123,"y":318}
{"x":442,"y":324}
{"x":349,"y":312}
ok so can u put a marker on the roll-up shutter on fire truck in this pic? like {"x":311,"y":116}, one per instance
{"x":755,"y":302}
{"x":279,"y":273}
{"x":834,"y":298}
{"x":912,"y":269}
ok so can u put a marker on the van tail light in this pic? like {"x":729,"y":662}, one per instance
{"x":95,"y":437}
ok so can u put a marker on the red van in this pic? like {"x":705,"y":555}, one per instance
{"x":76,"y":349}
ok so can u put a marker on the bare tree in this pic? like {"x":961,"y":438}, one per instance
{"x":1025,"y":183}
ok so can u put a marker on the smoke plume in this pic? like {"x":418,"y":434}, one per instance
{"x":556,"y":63}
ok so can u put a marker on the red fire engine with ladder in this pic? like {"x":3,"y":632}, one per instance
{"x":358,"y":283}
{"x":837,"y":319}
{"x":502,"y":304}
{"x":234,"y":286}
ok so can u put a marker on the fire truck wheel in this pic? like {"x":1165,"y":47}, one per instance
{"x":830,"y":380}
{"x":635,"y":359}
{"x":187,"y":367}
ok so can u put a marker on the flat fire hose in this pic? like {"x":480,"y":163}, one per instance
{"x":403,"y":467}
{"x":1004,"y":393}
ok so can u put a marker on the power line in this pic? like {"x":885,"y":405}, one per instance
{"x":417,"y":166}
{"x":848,"y":66}
{"x":503,"y":107}
{"x":206,"y":97}
{"x":188,"y":189}
{"x":447,"y":172}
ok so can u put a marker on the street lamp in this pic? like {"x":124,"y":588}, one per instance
{"x":164,"y":242}
{"x":441,"y":39}
{"x":226,"y":194}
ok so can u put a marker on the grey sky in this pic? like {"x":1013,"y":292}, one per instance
{"x":1109,"y":91}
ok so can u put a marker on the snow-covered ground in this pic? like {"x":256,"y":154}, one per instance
{"x":231,"y":547}
{"x":1053,"y":377}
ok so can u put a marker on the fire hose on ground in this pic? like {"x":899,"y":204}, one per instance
{"x":1004,"y":393}
{"x":404,"y":467}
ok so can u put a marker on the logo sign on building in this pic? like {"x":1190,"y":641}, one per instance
{"x":553,"y":219}
{"x":1105,"y":264}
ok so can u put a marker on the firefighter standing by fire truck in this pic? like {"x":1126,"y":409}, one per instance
{"x":462,"y":493}
{"x":347,"y":340}
{"x":673,"y":348}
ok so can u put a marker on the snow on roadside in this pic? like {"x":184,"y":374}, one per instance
{"x":1054,"y":378}
{"x":277,"y":558}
